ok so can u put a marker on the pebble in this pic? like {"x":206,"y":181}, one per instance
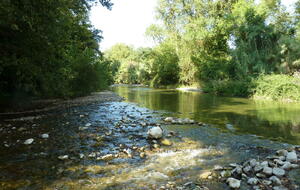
{"x":63,"y":157}
{"x":29,"y":141}
{"x":247,"y":169}
{"x":282,"y":152}
{"x":233,"y":183}
{"x":81,"y":155}
{"x":275,"y":180}
{"x":168,"y":119}
{"x":278,"y":172}
{"x":253,"y":163}
{"x":225,"y":173}
{"x":266,"y":182}
{"x":238,"y":170}
{"x":252,"y":181}
{"x":205,"y":175}
{"x":107,"y":157}
{"x":166,"y":142}
{"x":264,"y":164}
{"x":267,"y":170}
{"x":288,"y":166}
{"x":142,"y":155}
{"x":258,"y":168}
{"x":280,"y":188}
{"x":45,"y":136}
{"x":291,"y":157}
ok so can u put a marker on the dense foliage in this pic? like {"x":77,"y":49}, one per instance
{"x":225,"y":46}
{"x":157,"y":66}
{"x":50,"y":49}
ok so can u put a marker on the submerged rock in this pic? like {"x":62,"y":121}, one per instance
{"x":107,"y":157}
{"x":205,"y":175}
{"x":166,"y":142}
{"x":278,"y":172}
{"x":155,"y":132}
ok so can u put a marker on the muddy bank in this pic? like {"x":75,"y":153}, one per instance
{"x":106,"y":146}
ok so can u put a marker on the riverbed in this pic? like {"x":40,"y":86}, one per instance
{"x":104,"y":145}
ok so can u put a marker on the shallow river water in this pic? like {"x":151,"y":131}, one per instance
{"x":271,"y":120}
{"x":105,"y":145}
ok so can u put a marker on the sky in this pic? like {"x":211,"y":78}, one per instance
{"x":125,"y":23}
{"x":128,"y":20}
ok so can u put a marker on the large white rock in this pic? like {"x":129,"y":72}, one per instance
{"x":233,"y":183}
{"x":29,"y":141}
{"x":291,"y":157}
{"x":155,"y":132}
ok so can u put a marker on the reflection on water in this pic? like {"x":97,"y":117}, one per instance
{"x":271,"y":120}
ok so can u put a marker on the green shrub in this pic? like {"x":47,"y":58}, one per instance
{"x":278,"y":87}
{"x":229,"y":87}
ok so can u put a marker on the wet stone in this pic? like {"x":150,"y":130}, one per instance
{"x":252,"y":181}
{"x":267,"y":170}
{"x":29,"y":141}
{"x":278,"y":172}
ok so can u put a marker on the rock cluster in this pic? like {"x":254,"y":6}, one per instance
{"x":265,"y":174}
{"x":179,"y":120}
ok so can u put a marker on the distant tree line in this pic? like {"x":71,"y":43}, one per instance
{"x":232,"y":47}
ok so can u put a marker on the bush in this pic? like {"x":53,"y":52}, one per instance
{"x":278,"y":87}
{"x":229,"y":87}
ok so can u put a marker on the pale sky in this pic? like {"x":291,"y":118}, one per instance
{"x":125,"y":23}
{"x":128,"y":20}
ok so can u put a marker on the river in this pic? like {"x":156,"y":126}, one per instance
{"x":104,"y":146}
{"x":271,"y":120}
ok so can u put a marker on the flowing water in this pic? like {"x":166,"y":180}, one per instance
{"x":238,"y":129}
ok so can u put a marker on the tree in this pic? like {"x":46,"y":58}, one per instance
{"x":43,"y":44}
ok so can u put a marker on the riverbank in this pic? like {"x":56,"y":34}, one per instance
{"x":45,"y":105}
